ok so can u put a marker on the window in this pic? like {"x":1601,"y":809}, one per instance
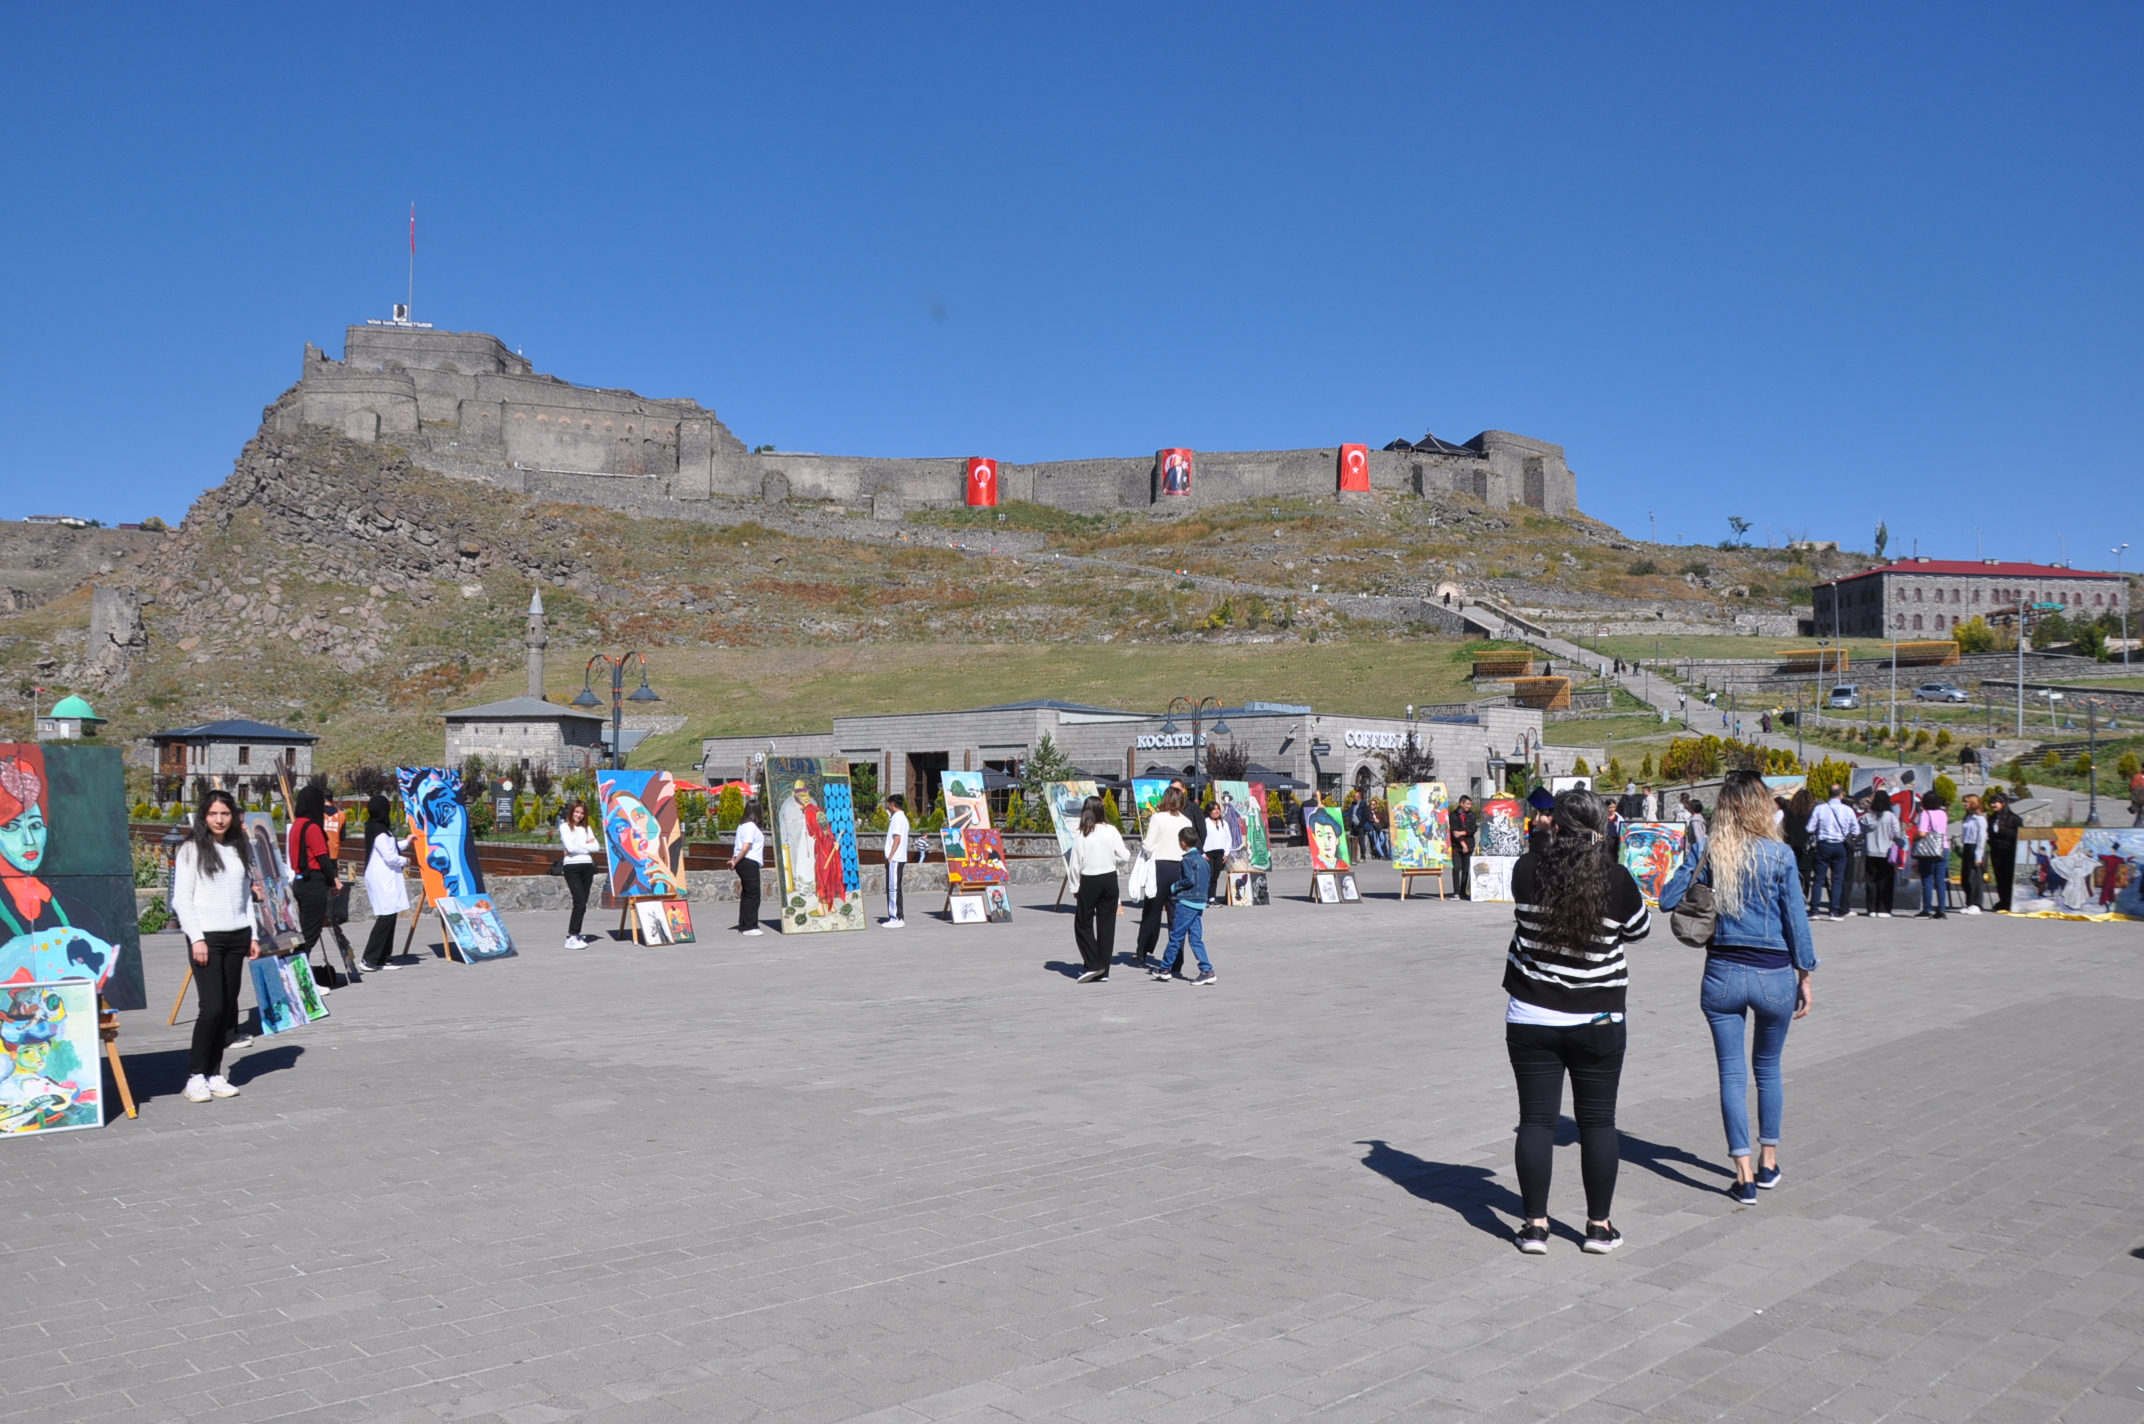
{"x":1916,"y":595}
{"x":1976,"y":597}
{"x":1901,"y":621}
{"x":1916,"y":622}
{"x":245,"y":756}
{"x":1954,"y":598}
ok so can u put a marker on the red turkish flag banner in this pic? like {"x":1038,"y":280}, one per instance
{"x":982,"y":483}
{"x":1354,"y":469}
{"x":1174,"y":469}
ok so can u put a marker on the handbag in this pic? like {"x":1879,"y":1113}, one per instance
{"x":1694,"y":920}
{"x":557,"y":868}
{"x":1927,"y":845}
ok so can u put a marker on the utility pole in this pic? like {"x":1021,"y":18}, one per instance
{"x":2091,"y":722}
{"x":2122,"y":592}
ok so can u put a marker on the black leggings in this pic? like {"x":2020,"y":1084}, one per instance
{"x":2003,"y":854}
{"x":1882,"y":885}
{"x":1094,"y":921}
{"x":578,"y":878}
{"x":1159,"y":905}
{"x":380,"y":944}
{"x":218,"y":981}
{"x":1216,"y":866}
{"x":747,"y":894}
{"x":311,"y":894}
{"x":1593,"y":1055}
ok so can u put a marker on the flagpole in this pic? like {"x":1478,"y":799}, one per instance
{"x":411,"y":310}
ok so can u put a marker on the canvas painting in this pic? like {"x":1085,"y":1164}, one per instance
{"x":1557,"y":785}
{"x":1421,"y":826}
{"x":1327,"y":837}
{"x":1324,"y":888}
{"x":1503,"y":828}
{"x":275,"y":910}
{"x":1239,"y":819}
{"x":1650,"y":852}
{"x":68,"y":908}
{"x":975,"y":857}
{"x":1261,"y":889}
{"x":1065,"y":800}
{"x":819,"y":882}
{"x":968,"y":910}
{"x":677,"y":915}
{"x":650,"y":924}
{"x":283,"y":988}
{"x":1239,"y":887}
{"x":474,"y":929}
{"x":444,"y":842}
{"x":647,"y":855}
{"x":1146,"y":799}
{"x":54,"y":1078}
{"x":298,"y":978}
{"x":997,"y":904}
{"x":1261,"y":853}
{"x":1349,"y":895}
{"x":1489,"y":877}
{"x":965,"y":802}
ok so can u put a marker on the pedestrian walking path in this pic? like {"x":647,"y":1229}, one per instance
{"x":921,"y":1175}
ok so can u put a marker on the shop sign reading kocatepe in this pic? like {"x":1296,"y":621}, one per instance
{"x":1373,"y":741}
{"x":1167,"y":741}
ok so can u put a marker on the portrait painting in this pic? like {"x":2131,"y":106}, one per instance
{"x":1325,"y":887}
{"x":1349,"y":895}
{"x":1503,"y":828}
{"x":650,"y":924}
{"x":1650,"y":852}
{"x":1421,"y":826}
{"x":1261,"y":852}
{"x":1239,"y":887}
{"x":67,"y":871}
{"x":275,"y":909}
{"x":997,"y":904}
{"x":444,"y":841}
{"x":677,"y":916}
{"x":54,"y":1073}
{"x":819,"y":878}
{"x":1238,"y":819}
{"x":1261,"y":888}
{"x":1066,"y":799}
{"x":640,"y":833}
{"x":1172,"y":470}
{"x":1557,"y":785}
{"x":474,"y":929}
{"x":1327,"y":837}
{"x":1489,"y":877}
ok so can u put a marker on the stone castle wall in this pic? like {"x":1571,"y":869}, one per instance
{"x":465,"y":405}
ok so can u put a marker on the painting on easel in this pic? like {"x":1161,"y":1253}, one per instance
{"x":443,"y":843}
{"x":68,"y":912}
{"x":965,"y":802}
{"x":54,"y":1079}
{"x":818,"y":877}
{"x":975,"y":857}
{"x":640,"y":831}
{"x":474,"y":930}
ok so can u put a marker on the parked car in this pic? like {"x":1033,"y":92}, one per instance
{"x":1939,"y":692}
{"x":1846,"y":697}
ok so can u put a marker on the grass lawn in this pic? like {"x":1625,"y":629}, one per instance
{"x":776,"y":690}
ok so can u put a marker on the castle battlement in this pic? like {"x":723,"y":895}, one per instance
{"x":464,"y":404}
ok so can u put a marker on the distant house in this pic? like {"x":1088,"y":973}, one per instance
{"x":527,"y":732}
{"x":192,"y":759}
{"x":70,"y":717}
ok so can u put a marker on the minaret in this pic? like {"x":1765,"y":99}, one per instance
{"x":536,"y":642}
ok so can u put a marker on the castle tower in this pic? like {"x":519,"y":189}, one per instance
{"x":536,"y":641}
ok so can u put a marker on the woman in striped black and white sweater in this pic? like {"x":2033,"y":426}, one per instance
{"x":1576,"y":908}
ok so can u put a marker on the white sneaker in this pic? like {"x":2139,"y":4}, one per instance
{"x":197,"y":1088}
{"x":892,"y":924}
{"x":576,"y":942}
{"x":1972,"y":909}
{"x":755,"y":930}
{"x":220,"y":1087}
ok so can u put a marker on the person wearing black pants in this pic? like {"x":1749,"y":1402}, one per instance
{"x":2003,"y":826}
{"x":1574,"y":909}
{"x":578,"y":840}
{"x":385,"y":862}
{"x":315,"y":879}
{"x":746,"y":855}
{"x":1163,"y":831}
{"x":1097,"y":858}
{"x":212,"y":897}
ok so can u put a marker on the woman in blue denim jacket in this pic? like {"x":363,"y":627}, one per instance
{"x":1759,"y":962}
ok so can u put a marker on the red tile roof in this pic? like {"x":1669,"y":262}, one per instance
{"x":1976,"y":568}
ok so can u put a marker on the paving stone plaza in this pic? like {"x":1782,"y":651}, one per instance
{"x":921,"y":1175}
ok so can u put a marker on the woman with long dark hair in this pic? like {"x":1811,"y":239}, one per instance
{"x":385,"y":861}
{"x":580,"y":843}
{"x":747,"y":855}
{"x":1931,"y":832}
{"x":1575,"y":908}
{"x":314,"y":875}
{"x":1757,"y":966}
{"x":1879,"y":842}
{"x":1097,"y":857}
{"x":213,"y":902}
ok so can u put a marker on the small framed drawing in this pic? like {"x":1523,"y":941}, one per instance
{"x":1239,"y":887}
{"x":1261,"y":892}
{"x":997,"y":904}
{"x":650,"y":924}
{"x":1348,"y":892}
{"x":1323,"y":889}
{"x":969,"y":910}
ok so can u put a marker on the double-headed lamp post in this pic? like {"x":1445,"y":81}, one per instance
{"x":1197,"y":707}
{"x":618,"y":697}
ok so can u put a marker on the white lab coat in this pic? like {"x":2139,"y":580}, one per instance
{"x":384,"y":885}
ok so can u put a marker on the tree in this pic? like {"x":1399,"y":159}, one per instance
{"x":1046,"y":763}
{"x":1579,"y":767}
{"x":1883,"y":537}
{"x":1948,"y":790}
{"x":1827,"y":774}
{"x":1974,"y":636}
{"x":1229,"y":763}
{"x":1741,"y":527}
{"x":1411,"y":763}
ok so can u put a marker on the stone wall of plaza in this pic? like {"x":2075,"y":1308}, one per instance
{"x":465,"y":405}
{"x":1933,"y":596}
{"x":1318,"y":749}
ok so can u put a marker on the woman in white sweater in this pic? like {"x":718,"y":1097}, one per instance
{"x":385,"y":861}
{"x":212,"y":896}
{"x":1097,"y":857}
{"x":579,"y":841}
{"x":1162,"y":830}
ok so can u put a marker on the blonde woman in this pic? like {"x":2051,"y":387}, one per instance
{"x":1757,"y":964}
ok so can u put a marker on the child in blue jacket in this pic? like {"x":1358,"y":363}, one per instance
{"x":1190,"y":891}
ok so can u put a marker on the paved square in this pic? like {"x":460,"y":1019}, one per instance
{"x":921,"y":1175}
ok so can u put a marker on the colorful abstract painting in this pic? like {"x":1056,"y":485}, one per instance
{"x":444,"y":843}
{"x":1650,"y":852}
{"x":1421,"y":826}
{"x":474,"y":929}
{"x":1489,"y":877}
{"x":975,"y":857}
{"x":1261,"y":857}
{"x":965,"y":802}
{"x":640,"y":832}
{"x":1503,"y":828}
{"x":67,"y":907}
{"x":819,"y":885}
{"x":1066,"y":799}
{"x":1327,"y":837}
{"x":283,"y":987}
{"x":1147,"y":792}
{"x":54,"y":1078}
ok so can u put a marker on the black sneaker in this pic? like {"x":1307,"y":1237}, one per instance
{"x":1601,"y":1239}
{"x":1533,"y":1240}
{"x":1744,"y":1193}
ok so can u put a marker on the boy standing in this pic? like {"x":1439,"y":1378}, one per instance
{"x":896,"y":857}
{"x":1193,"y":884}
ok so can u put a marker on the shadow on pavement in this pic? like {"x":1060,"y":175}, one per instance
{"x":1653,"y":1157}
{"x":1069,"y":971}
{"x":1472,"y":1192}
{"x":263,"y":1061}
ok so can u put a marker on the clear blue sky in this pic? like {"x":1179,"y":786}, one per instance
{"x":1812,"y":266}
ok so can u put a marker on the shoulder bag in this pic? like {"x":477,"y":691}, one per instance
{"x":1927,"y":845}
{"x":1694,"y":920}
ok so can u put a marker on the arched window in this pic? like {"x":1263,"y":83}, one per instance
{"x":1916,"y":622}
{"x":1901,"y":621}
{"x":1916,"y":595}
{"x":1954,"y":598}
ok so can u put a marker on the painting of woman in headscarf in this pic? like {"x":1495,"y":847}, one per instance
{"x":814,"y":851}
{"x":815,"y":840}
{"x":47,"y":932}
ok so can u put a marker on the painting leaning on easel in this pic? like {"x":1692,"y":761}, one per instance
{"x":640,"y":831}
{"x":818,"y":877}
{"x":68,"y":910}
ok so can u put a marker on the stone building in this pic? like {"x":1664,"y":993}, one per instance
{"x":528,"y":731}
{"x":70,"y":718}
{"x":465,"y":405}
{"x":1930,"y":597}
{"x":189,"y":760}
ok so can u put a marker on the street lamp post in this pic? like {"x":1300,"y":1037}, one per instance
{"x":1197,"y":708}
{"x":2091,"y":722}
{"x":618,"y":697}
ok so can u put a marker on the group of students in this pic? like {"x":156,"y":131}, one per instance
{"x":1871,"y":837}
{"x":1566,"y":978}
{"x":1174,"y":870}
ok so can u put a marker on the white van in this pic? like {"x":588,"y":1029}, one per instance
{"x":1846,"y":697}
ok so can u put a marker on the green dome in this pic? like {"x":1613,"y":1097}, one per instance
{"x":75,"y":707}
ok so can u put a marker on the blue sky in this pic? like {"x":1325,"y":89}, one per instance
{"x":1814,"y":266}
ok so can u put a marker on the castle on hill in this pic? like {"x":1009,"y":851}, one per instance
{"x":465,"y":405}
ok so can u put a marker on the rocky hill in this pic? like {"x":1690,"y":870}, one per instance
{"x":329,"y":585}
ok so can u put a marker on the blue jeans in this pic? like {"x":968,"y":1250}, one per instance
{"x":1830,"y":867}
{"x":1729,"y":992}
{"x":1190,"y":921}
{"x":1935,"y":882}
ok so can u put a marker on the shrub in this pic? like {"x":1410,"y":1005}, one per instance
{"x":1949,"y":790}
{"x":1109,"y":810}
{"x":1921,"y":739}
{"x":1640,"y":568}
{"x":156,"y":916}
{"x":1579,"y":767}
{"x":1696,"y":568}
{"x":148,"y":866}
{"x":2127,"y":766}
{"x":1943,"y":738}
{"x":1827,"y":774}
{"x":729,"y":808}
{"x":1615,"y":776}
{"x":1974,"y":636}
{"x":2052,"y":761}
{"x":1645,"y":769}
{"x":2083,"y":765}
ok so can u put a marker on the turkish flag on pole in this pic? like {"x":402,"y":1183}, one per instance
{"x":1354,"y":469}
{"x":982,"y":483}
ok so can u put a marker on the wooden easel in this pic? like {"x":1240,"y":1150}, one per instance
{"x":108,"y":1030}
{"x":627,"y":920}
{"x":1407,"y":878}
